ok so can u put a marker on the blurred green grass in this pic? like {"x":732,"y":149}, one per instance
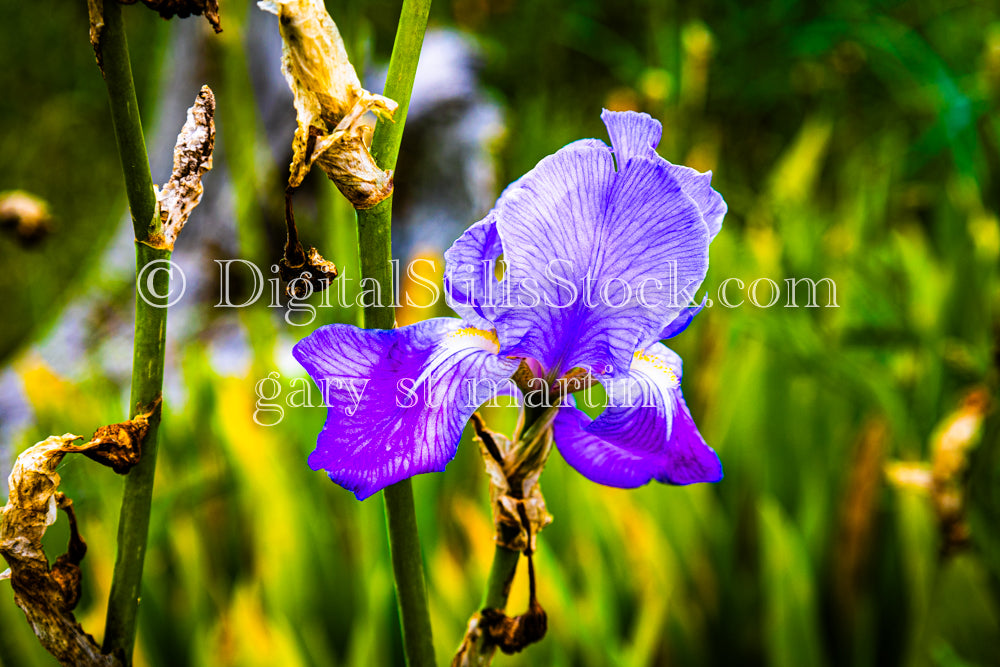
{"x":853,"y":141}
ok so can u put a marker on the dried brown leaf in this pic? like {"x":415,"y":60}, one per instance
{"x":95,"y":12}
{"x":519,"y":513}
{"x":514,"y":633}
{"x":47,"y":595}
{"x":119,"y":446}
{"x":185,"y":8}
{"x":944,"y":477}
{"x":513,"y":471}
{"x":192,"y":158}
{"x":330,"y":104}
{"x":314,"y":269}
{"x":26,"y":215}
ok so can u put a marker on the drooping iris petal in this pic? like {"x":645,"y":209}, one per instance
{"x":597,"y":260}
{"x":681,"y":322}
{"x":470,"y":283}
{"x":637,"y":135}
{"x":398,"y":399}
{"x":646,"y":432}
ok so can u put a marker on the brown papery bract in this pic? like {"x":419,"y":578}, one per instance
{"x":185,"y":8}
{"x":47,"y":596}
{"x":331,"y":106}
{"x":513,"y":469}
{"x":192,"y":158}
{"x":25,"y":215}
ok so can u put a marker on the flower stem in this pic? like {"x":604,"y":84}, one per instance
{"x":150,"y":336}
{"x":375,"y":247}
{"x":501,"y":576}
{"x":408,"y":572}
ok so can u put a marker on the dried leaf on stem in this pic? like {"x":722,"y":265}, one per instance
{"x":185,"y":8}
{"x":47,"y":596}
{"x":305,"y":272}
{"x":331,"y":106}
{"x":95,"y":12}
{"x":192,"y":159}
{"x":25,"y":215}
{"x":513,"y":471}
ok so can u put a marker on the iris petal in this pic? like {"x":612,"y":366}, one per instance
{"x":632,"y":134}
{"x":645,"y":433}
{"x":682,"y":321}
{"x":398,"y":399}
{"x":637,"y":135}
{"x":469,"y":281}
{"x":597,"y":260}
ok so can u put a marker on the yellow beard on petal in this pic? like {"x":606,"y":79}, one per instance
{"x":487,"y":340}
{"x":658,"y":364}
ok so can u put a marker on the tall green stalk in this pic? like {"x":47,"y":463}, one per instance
{"x":375,"y":245}
{"x":150,"y":335}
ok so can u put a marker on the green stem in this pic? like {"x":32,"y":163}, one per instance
{"x":375,"y":249}
{"x":408,"y":573}
{"x":128,"y":126}
{"x":501,"y":576}
{"x":150,"y":336}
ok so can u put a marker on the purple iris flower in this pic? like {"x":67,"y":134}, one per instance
{"x":602,"y":248}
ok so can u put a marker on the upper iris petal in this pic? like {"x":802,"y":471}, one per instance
{"x":470,"y":285}
{"x":598,"y":260}
{"x":636,"y":134}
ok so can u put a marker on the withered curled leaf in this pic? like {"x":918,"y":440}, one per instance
{"x":514,"y":633}
{"x":119,"y":446}
{"x":47,"y":595}
{"x":95,"y":12}
{"x":192,"y":158}
{"x":944,"y":478}
{"x":185,"y":8}
{"x":25,"y":215}
{"x":490,"y":629}
{"x":304,"y":273}
{"x":313,"y":269}
{"x":513,"y":472}
{"x":330,"y":104}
